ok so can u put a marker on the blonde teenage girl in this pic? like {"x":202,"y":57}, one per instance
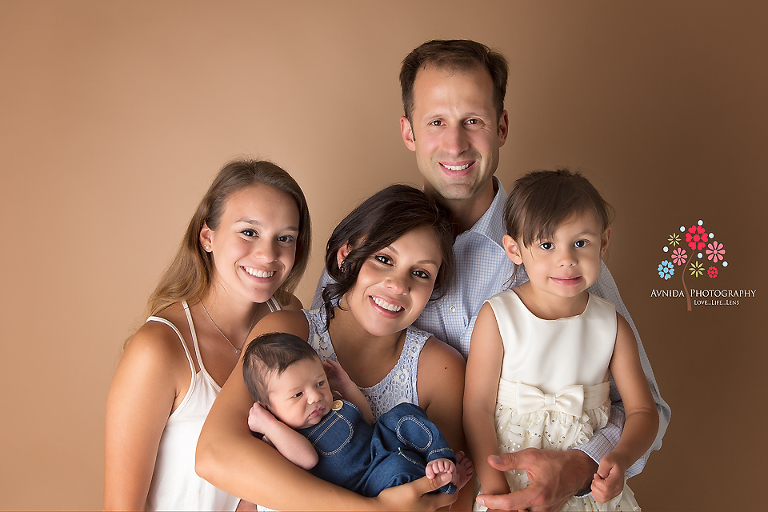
{"x":242,"y":256}
{"x":541,"y":354}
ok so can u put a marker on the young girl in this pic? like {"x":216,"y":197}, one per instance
{"x":386,"y":257}
{"x":242,"y":255}
{"x":541,"y":354}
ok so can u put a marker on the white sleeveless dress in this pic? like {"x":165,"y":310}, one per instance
{"x":175,"y":485}
{"x":553,"y":391}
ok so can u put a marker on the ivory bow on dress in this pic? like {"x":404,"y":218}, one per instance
{"x":569,"y":400}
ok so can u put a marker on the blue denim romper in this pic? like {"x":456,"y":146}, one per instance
{"x":368,"y":459}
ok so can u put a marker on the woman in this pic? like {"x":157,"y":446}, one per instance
{"x":242,"y":256}
{"x":386,"y":257}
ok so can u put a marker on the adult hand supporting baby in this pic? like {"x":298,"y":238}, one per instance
{"x":554,"y":477}
{"x":416,"y":495}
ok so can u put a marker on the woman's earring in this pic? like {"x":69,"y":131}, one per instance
{"x":341,"y":266}
{"x":207,"y":248}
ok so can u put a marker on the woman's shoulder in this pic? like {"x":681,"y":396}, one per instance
{"x":436,"y":353}
{"x":293,"y":305}
{"x":156,"y":352}
{"x":159,"y":339}
{"x":441,"y":376}
{"x":292,"y":321}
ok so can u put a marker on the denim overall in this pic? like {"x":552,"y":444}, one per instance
{"x":368,"y":459}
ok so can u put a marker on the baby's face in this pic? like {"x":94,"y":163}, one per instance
{"x":301,"y":396}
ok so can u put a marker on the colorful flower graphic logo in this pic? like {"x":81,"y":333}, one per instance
{"x":697,"y":239}
{"x":679,"y":256}
{"x":666,"y":270}
{"x":696,"y":269}
{"x":674,"y":239}
{"x":715,"y":251}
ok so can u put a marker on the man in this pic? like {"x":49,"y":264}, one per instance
{"x":453,"y":97}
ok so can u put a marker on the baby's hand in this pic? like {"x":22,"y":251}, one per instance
{"x":437,"y":466}
{"x":337,"y":377}
{"x":259,"y":417}
{"x":608,"y":481}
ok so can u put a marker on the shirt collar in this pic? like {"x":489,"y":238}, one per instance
{"x":491,"y":224}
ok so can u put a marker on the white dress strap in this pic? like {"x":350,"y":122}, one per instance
{"x":178,"y":333}
{"x":273,"y":305}
{"x":197,"y":346}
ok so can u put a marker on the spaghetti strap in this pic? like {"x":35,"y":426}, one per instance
{"x":273,"y":305}
{"x":181,"y":339}
{"x":197,"y":346}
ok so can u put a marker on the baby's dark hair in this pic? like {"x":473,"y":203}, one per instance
{"x":542,"y":200}
{"x":378,"y":222}
{"x":271,"y":353}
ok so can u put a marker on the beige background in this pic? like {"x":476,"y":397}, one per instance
{"x":114,"y":117}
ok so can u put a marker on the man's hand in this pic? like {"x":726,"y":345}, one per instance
{"x":554,"y":476}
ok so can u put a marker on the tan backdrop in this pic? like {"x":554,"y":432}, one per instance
{"x":114,"y":117}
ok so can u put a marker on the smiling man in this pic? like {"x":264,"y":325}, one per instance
{"x":453,"y":97}
{"x":459,"y":133}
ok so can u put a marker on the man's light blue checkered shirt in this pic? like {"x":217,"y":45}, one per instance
{"x":483,"y":270}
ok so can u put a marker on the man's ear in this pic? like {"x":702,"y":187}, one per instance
{"x":342,"y":254}
{"x":206,"y":237}
{"x":512,"y":249}
{"x":606,"y":238}
{"x":503,"y":128}
{"x":407,"y":132}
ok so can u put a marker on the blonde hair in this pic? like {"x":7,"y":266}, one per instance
{"x":189,"y":273}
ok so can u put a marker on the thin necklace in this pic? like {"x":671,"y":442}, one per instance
{"x":237,"y":350}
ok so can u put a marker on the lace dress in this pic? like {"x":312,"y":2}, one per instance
{"x":553,"y":391}
{"x":400,"y":383}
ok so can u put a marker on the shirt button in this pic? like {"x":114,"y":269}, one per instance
{"x":453,"y":309}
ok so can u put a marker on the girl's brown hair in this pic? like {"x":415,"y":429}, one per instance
{"x":542,"y":200}
{"x":190,"y":272}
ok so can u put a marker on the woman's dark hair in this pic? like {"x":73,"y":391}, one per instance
{"x":376,"y":223}
{"x":542,"y":200}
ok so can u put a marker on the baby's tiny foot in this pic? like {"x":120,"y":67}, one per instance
{"x":464,"y":470}
{"x":437,"y":466}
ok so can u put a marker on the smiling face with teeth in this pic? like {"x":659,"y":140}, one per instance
{"x":456,"y":133}
{"x":395,"y":283}
{"x":254,"y":247}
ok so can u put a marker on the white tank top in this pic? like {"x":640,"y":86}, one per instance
{"x":175,"y":485}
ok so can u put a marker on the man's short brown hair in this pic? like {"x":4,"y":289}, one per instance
{"x":454,"y":55}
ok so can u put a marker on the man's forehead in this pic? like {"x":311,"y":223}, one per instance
{"x":452,"y":68}
{"x":438,"y":82}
